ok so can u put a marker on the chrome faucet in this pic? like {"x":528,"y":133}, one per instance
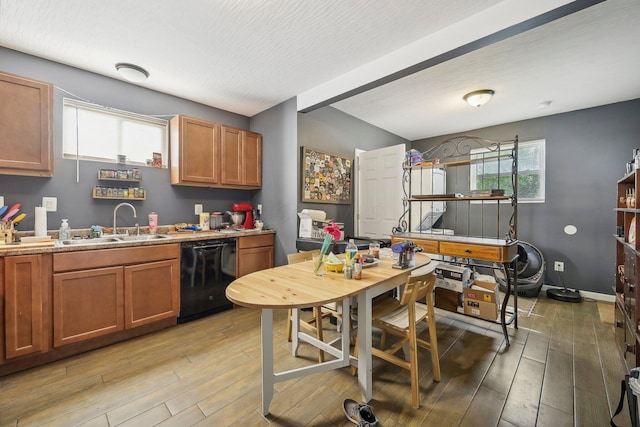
{"x":135,"y":215}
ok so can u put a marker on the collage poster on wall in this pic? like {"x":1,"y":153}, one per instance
{"x":325,"y":178}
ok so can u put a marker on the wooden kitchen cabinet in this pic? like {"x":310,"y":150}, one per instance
{"x":151,"y":292}
{"x":109,"y":290}
{"x":254,"y":253}
{"x":241,"y":153}
{"x":195,"y":152}
{"x":87,"y":304}
{"x":26,"y":297}
{"x":26,"y":136}
{"x":206,"y":154}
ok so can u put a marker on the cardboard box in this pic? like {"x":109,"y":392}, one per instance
{"x":481,"y":309}
{"x":447,"y":299}
{"x":452,"y":277}
{"x":483,"y":291}
{"x":481,"y":300}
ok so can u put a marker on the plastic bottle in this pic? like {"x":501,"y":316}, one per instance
{"x":65,"y":232}
{"x":351,"y":251}
{"x":357,"y":268}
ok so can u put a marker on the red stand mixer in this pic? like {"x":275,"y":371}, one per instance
{"x":247,"y":208}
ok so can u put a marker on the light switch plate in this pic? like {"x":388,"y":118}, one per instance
{"x":50,"y":203}
{"x":1,"y":201}
{"x":198,"y":209}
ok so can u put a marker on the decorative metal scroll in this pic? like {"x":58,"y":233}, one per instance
{"x":449,"y":151}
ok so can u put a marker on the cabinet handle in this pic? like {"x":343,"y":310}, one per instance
{"x":632,"y":287}
{"x":467,"y":251}
{"x":630,"y":348}
{"x":619,"y":324}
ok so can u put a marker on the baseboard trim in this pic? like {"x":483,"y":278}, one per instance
{"x":587,"y":294}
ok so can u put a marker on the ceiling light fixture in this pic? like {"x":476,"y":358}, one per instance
{"x":478,"y":98}
{"x":132,"y":72}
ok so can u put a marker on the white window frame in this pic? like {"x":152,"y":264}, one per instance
{"x":541,"y":145}
{"x":75,"y":135}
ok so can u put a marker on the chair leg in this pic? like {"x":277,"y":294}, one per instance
{"x":289,"y":324}
{"x":317,"y":313}
{"x":433,"y":347}
{"x":383,"y":340}
{"x":413,"y":356}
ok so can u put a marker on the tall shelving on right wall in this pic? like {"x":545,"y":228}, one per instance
{"x":627,"y":315}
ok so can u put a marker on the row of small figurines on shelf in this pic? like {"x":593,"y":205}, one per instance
{"x":132,"y":192}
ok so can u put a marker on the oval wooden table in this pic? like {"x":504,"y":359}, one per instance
{"x":295,"y":286}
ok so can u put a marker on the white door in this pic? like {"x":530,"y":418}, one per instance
{"x":379,"y":194}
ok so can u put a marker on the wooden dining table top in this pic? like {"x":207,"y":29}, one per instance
{"x":296,"y":285}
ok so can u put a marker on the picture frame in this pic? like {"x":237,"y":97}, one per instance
{"x":326,"y":178}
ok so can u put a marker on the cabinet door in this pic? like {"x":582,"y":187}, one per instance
{"x":195,"y":150}
{"x":254,"y":259}
{"x":24,"y":304}
{"x":26,"y":137}
{"x":231,"y":156}
{"x":87,"y":304}
{"x":252,"y":159}
{"x":152,"y":292}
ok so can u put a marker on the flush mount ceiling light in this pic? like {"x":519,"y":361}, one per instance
{"x":132,"y":72}
{"x":478,"y":98}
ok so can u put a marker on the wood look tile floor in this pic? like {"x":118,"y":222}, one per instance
{"x":562,"y":369}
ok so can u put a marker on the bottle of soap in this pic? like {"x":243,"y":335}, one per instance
{"x":65,"y":232}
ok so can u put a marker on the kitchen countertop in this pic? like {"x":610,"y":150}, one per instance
{"x":173,"y":237}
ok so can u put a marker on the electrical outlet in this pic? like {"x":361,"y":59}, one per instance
{"x":50,"y":203}
{"x":558,"y":266}
{"x":259,"y":209}
{"x":1,"y":201}
{"x":198,"y":209}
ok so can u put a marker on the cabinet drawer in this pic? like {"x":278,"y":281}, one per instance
{"x":255,"y":241}
{"x":490,"y":253}
{"x":82,"y":260}
{"x":428,"y":246}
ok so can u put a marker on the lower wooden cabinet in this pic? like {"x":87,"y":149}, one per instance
{"x":254,"y":253}
{"x":87,"y":304}
{"x":25,"y":305}
{"x":151,"y":293}
{"x":112,"y":290}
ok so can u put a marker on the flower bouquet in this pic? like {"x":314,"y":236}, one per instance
{"x":332,"y":232}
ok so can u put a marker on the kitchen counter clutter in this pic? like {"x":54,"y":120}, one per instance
{"x":166,"y":234}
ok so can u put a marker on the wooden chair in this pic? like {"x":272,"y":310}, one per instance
{"x":400,"y":318}
{"x":313,"y":325}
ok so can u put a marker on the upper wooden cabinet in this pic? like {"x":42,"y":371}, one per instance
{"x":241,"y":153}
{"x":207,"y":154}
{"x":26,"y":134}
{"x":195,"y":152}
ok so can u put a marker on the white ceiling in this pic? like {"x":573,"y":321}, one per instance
{"x":246,"y":56}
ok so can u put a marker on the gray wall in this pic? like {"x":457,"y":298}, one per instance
{"x":278,"y":126}
{"x":586,"y":153}
{"x":338,"y":133}
{"x":173,"y":203}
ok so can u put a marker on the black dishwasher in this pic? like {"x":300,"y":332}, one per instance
{"x":207,"y":267}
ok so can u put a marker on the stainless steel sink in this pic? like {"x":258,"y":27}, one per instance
{"x":117,"y":238}
{"x":144,"y":237}
{"x":95,"y":241}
